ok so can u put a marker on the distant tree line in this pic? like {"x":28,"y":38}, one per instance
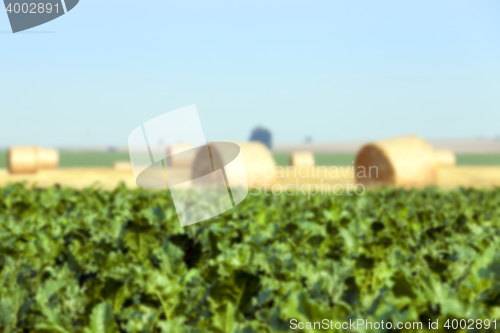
{"x":262,"y":135}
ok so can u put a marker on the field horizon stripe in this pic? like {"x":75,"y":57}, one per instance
{"x":71,"y":159}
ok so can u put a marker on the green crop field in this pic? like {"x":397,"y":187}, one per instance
{"x":118,"y":261}
{"x":106,"y":159}
{"x":82,"y":159}
{"x":320,"y":159}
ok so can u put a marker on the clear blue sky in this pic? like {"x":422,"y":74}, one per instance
{"x":337,"y":70}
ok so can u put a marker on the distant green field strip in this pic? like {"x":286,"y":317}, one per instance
{"x":106,"y":159}
{"x":91,"y":159}
{"x":478,"y":159}
{"x":81,"y":159}
{"x":321,"y":159}
{"x":3,"y":159}
{"x":347,"y":159}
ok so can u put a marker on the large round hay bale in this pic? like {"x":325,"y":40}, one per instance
{"x":259,"y":163}
{"x":407,"y":162}
{"x":302,"y":159}
{"x":445,"y":158}
{"x":22,"y":160}
{"x":48,"y":158}
{"x":258,"y":160}
{"x":181,"y":155}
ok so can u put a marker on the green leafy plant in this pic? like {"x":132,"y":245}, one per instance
{"x":118,"y":261}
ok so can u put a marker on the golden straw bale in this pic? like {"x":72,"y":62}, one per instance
{"x":47,"y":158}
{"x":25,"y":160}
{"x":22,"y":160}
{"x":122,"y":166}
{"x":445,"y":158}
{"x":181,"y":155}
{"x":407,"y":162}
{"x":259,"y":163}
{"x":300,"y":159}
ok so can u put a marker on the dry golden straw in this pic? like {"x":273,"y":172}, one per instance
{"x":445,"y":159}
{"x":22,"y":160}
{"x":178,"y":160}
{"x":407,"y":162}
{"x":30,"y":159}
{"x":48,"y":158}
{"x":258,"y":160}
{"x":300,"y":159}
{"x":122,"y":166}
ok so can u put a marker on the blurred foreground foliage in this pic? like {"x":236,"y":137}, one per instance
{"x":118,"y":261}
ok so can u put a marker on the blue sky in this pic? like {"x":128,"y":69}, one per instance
{"x":334,"y":70}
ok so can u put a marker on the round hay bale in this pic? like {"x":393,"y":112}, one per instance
{"x":47,"y":158}
{"x":180,"y":155}
{"x":445,"y":159}
{"x":22,"y":160}
{"x":302,"y":159}
{"x":258,"y":160}
{"x":407,"y":162}
{"x":122,"y":166}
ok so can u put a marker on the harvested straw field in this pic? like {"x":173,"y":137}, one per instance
{"x":117,"y":169}
{"x":122,"y":165}
{"x":445,"y":158}
{"x":469,"y":177}
{"x":181,"y":155}
{"x":300,"y":159}
{"x":108,"y":178}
